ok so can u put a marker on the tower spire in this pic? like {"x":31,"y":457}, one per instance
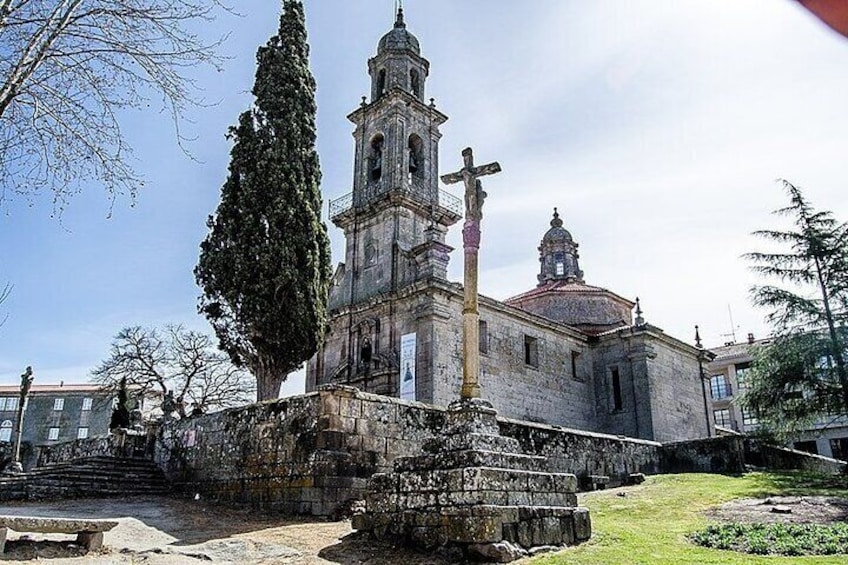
{"x":399,"y":19}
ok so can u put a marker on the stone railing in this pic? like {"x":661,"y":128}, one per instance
{"x":121,"y":443}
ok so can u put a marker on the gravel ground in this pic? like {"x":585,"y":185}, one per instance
{"x":170,"y":531}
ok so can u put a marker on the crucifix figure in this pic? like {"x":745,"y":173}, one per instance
{"x":474,"y":197}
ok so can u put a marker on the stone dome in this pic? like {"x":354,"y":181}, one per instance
{"x":399,"y":39}
{"x":557,"y":233}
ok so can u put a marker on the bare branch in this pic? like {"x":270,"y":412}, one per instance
{"x":179,"y":361}
{"x":68,"y":68}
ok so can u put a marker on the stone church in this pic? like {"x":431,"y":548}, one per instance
{"x":564,"y":353}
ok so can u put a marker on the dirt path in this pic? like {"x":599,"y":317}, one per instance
{"x":169,"y":531}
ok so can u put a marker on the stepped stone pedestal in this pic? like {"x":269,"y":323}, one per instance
{"x":473,"y":488}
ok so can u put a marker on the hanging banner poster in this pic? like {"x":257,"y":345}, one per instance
{"x":407,"y":367}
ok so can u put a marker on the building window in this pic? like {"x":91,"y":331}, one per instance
{"x":559,"y":263}
{"x":615,"y":382}
{"x":742,"y":370}
{"x":82,"y":433}
{"x":86,"y":404}
{"x":59,"y":404}
{"x":415,"y":83}
{"x":838,"y":447}
{"x":719,"y":387}
{"x":8,"y":404}
{"x":531,"y":351}
{"x":722,"y":417}
{"x":376,"y":160}
{"x":415,"y":150}
{"x":484,"y":336}
{"x":6,"y":430}
{"x":381,"y":82}
{"x":749,"y":417}
{"x":807,"y":446}
{"x":575,"y":355}
{"x":53,"y":434}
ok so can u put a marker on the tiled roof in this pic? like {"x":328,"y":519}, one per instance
{"x":564,"y":287}
{"x":737,"y":349}
{"x":66,"y":388}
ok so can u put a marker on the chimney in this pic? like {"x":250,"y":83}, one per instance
{"x":750,"y":338}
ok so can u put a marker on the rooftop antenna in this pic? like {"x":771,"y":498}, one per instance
{"x":733,"y":327}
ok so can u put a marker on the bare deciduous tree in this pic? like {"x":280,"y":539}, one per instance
{"x":68,"y":68}
{"x":182,"y":362}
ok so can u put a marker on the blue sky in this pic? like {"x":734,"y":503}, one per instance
{"x":657,"y":128}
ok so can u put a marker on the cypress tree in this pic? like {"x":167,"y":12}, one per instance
{"x":265,"y":266}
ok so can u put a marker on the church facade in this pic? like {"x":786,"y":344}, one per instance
{"x":564,"y":353}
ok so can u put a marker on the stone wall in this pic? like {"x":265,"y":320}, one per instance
{"x":733,"y":454}
{"x":117,"y":444}
{"x":774,"y":457}
{"x":313,"y":454}
{"x":712,"y":455}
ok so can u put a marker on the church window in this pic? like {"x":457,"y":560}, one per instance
{"x":375,"y":162}
{"x":531,"y":351}
{"x":381,"y":82}
{"x":722,"y":417}
{"x":484,"y":336}
{"x":6,"y":430}
{"x":365,"y":351}
{"x":415,"y":83}
{"x":559,"y":263}
{"x":575,"y":356}
{"x":416,"y":155}
{"x":615,"y":381}
{"x":377,"y":335}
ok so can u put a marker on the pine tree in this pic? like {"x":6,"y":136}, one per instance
{"x":801,"y":376}
{"x":265,"y":266}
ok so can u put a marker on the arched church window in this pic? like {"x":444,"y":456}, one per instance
{"x":381,"y":82}
{"x":415,"y":83}
{"x":416,"y":155}
{"x":375,"y":161}
{"x":365,"y":351}
{"x":559,"y":263}
{"x":6,"y":431}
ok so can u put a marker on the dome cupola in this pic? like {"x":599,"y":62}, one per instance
{"x":399,"y":38}
{"x":558,"y":255}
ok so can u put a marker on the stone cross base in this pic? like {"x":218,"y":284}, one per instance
{"x":473,"y":488}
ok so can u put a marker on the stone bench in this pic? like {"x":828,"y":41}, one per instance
{"x":89,"y":532}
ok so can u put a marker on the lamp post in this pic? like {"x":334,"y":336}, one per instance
{"x":26,"y":383}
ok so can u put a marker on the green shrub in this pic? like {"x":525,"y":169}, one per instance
{"x":776,"y":539}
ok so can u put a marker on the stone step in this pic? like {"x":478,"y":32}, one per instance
{"x":474,"y":442}
{"x":472,"y":458}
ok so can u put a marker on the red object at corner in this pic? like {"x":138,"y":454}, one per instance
{"x":832,"y":12}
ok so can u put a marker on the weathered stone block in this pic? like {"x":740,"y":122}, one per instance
{"x":582,"y":524}
{"x":474,"y":529}
{"x":501,"y":552}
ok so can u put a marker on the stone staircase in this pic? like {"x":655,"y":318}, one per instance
{"x":86,"y":478}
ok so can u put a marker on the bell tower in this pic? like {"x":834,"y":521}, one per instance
{"x":396,"y":218}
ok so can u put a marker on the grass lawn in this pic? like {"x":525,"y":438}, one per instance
{"x":651,"y":523}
